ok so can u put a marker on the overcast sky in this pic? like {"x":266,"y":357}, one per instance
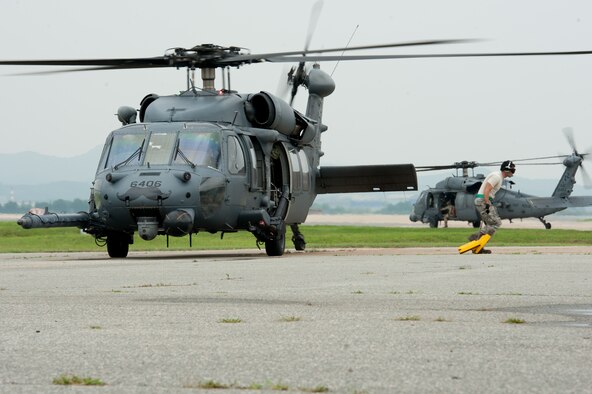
{"x":425,"y":111}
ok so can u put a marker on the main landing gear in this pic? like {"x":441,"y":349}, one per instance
{"x":276,"y":245}
{"x":547,"y":224}
{"x":297,"y":238}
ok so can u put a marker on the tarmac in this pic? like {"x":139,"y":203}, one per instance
{"x":418,"y":320}
{"x":566,"y":222}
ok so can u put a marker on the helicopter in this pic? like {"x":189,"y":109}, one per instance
{"x":221,"y":161}
{"x":455,"y":195}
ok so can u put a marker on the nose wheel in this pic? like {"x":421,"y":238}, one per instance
{"x":277,"y":245}
{"x":118,"y":245}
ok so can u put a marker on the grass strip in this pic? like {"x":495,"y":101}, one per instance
{"x":14,"y":239}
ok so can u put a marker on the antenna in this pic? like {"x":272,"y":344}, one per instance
{"x":190,"y":78}
{"x":228,"y":77}
{"x":347,"y":45}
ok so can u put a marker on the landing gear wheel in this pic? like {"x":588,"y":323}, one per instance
{"x":545,"y":223}
{"x":434,"y":223}
{"x":277,"y":246}
{"x":117,"y":245}
{"x":297,"y":237}
{"x":299,"y":242}
{"x":476,"y":224}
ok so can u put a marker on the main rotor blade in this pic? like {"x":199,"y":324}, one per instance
{"x":267,"y":56}
{"x":422,"y":56}
{"x":219,"y":58}
{"x":222,"y":57}
{"x":433,"y":168}
{"x":467,"y":164}
{"x":100,"y":68}
{"x":159,"y":61}
{"x":473,"y":164}
{"x":540,"y":158}
{"x":539,"y":164}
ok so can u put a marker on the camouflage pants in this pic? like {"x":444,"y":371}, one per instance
{"x":491,"y":220}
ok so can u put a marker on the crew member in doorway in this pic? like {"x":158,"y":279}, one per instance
{"x":447,"y":211}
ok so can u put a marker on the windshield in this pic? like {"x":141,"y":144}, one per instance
{"x":125,"y":148}
{"x":187,"y":147}
{"x":160,"y":148}
{"x":199,"y":148}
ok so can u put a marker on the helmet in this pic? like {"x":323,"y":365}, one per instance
{"x":508,"y":165}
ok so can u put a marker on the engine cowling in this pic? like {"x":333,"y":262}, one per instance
{"x":267,"y":111}
{"x":146,"y":101}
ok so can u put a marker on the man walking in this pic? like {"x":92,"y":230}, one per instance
{"x":484,"y":201}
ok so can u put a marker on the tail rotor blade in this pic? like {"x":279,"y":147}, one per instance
{"x":297,"y":76}
{"x":568,"y":132}
{"x":312,"y":24}
{"x":284,"y":82}
{"x":297,"y":80}
{"x":586,"y":177}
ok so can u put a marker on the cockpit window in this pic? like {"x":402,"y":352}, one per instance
{"x":125,"y":148}
{"x":186,"y":147}
{"x":159,"y":148}
{"x":236,"y":157}
{"x":199,"y":148}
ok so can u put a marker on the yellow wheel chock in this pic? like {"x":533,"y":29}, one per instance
{"x":475,"y":246}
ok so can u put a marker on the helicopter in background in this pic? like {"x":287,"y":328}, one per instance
{"x":454,"y":196}
{"x":221,"y":161}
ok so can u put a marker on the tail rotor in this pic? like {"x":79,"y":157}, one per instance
{"x":297,"y":76}
{"x":569,"y":135}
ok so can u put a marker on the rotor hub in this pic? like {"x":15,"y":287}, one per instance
{"x":204,"y":56}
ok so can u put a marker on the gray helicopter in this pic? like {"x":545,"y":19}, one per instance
{"x":454,"y":196}
{"x":221,"y":161}
{"x":215,"y":160}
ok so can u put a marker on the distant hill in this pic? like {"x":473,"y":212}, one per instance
{"x":46,"y":192}
{"x":30,"y":176}
{"x":30,"y":168}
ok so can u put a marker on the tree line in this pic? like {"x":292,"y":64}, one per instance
{"x":403,"y":207}
{"x":57,"y":206}
{"x":77,"y":205}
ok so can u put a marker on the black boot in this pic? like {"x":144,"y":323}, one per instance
{"x":476,"y":236}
